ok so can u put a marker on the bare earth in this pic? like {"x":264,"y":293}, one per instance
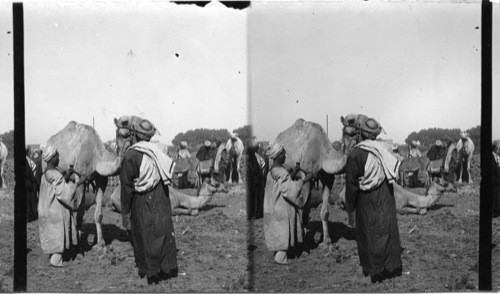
{"x":440,"y":251}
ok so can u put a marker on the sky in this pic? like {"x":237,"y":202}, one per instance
{"x":409,"y":65}
{"x":180,"y":66}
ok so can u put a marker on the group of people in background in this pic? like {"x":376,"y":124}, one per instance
{"x":464,"y":146}
{"x":223,"y":158}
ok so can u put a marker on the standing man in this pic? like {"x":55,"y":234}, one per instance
{"x":283,"y":229}
{"x":220,"y":162}
{"x":255,"y":181}
{"x":144,"y":174}
{"x":465,"y":148}
{"x":37,"y":158}
{"x":183,"y":152}
{"x":395,"y":152}
{"x":370,"y":173}
{"x":31,"y":190}
{"x":57,"y":223}
{"x":414,"y":152}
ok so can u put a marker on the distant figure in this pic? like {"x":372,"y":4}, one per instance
{"x":495,"y":182}
{"x":37,"y":159}
{"x":183,"y":152}
{"x":465,"y":148}
{"x":395,"y":152}
{"x":496,"y":153}
{"x":437,"y":151}
{"x":234,"y":147}
{"x":57,"y":223}
{"x":205,"y":152}
{"x":414,"y":152}
{"x":255,"y":181}
{"x":31,"y":190}
{"x":3,"y":156}
{"x":221,"y":161}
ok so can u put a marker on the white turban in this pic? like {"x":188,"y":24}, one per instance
{"x":184,"y":143}
{"x":49,"y":153}
{"x":207,"y":143}
{"x":275,"y":150}
{"x":438,"y":143}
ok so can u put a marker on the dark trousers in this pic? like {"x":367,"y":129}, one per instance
{"x":233,"y":167}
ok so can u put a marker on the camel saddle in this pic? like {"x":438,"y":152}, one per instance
{"x":206,"y":166}
{"x":436,"y":165}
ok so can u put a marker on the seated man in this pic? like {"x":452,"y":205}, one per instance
{"x":183,"y":152}
{"x":206,"y":157}
{"x":205,"y":152}
{"x":395,"y":152}
{"x":437,"y":151}
{"x":414,"y":152}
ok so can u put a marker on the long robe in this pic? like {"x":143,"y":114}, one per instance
{"x":31,"y":194}
{"x":152,"y":230}
{"x":282,"y":227}
{"x":379,"y":246}
{"x":255,"y":180}
{"x":56,"y":221}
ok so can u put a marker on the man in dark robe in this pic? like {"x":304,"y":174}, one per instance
{"x":255,"y":180}
{"x":205,"y":152}
{"x":31,"y":191}
{"x":144,"y":174}
{"x":437,"y":151}
{"x":495,"y":182}
{"x":37,"y":159}
{"x":370,"y":171}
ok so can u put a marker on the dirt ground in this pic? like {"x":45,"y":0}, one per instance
{"x":211,"y":253}
{"x":440,"y":251}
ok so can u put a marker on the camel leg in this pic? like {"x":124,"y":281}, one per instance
{"x":180,"y":211}
{"x":327,"y":182}
{"x":408,"y":210}
{"x":2,"y":180}
{"x":468,"y":168}
{"x":101,"y":183}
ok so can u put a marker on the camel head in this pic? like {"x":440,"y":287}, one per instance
{"x":354,"y":126}
{"x":126,"y":129}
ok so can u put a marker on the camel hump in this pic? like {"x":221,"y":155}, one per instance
{"x":79,"y":145}
{"x":306,"y":142}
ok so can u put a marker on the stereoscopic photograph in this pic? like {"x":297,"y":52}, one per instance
{"x":371,"y":115}
{"x":136,"y":114}
{"x":266,"y":146}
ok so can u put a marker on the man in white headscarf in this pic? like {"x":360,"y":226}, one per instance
{"x":183,"y":152}
{"x":57,"y":223}
{"x":414,"y":151}
{"x":283,"y":229}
